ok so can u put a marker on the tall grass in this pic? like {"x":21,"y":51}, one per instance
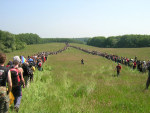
{"x":67,"y":86}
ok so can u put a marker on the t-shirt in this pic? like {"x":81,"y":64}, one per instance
{"x":135,"y":64}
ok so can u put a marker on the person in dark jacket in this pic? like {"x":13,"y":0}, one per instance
{"x":148,"y":79}
{"x":5,"y":76}
{"x":82,"y":61}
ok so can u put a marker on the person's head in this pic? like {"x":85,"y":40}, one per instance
{"x":16,"y":60}
{"x":118,"y":64}
{"x":2,"y":58}
{"x":10,"y":63}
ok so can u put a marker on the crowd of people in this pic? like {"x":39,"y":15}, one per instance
{"x":17,"y":74}
{"x":134,"y":63}
{"x":20,"y":72}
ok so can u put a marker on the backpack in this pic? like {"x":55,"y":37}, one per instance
{"x":31,"y":64}
{"x":39,"y":64}
{"x":27,"y":71}
{"x":33,"y":68}
{"x":3,"y":75}
{"x":30,"y":72}
{"x":118,"y":68}
{"x":15,"y":77}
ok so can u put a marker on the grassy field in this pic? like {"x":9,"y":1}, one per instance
{"x":141,"y":53}
{"x":67,"y":86}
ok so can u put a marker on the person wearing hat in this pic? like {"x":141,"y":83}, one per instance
{"x":5,"y":76}
{"x":17,"y":90}
{"x":118,"y":68}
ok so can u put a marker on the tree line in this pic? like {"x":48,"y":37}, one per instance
{"x":10,"y":42}
{"x":60,"y":40}
{"x":125,"y":41}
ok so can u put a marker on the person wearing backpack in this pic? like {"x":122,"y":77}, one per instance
{"x":134,"y":65}
{"x":26,"y":73}
{"x":40,"y":65}
{"x":9,"y":65}
{"x":17,"y":79}
{"x":5,"y":76}
{"x":118,"y":68}
{"x":31,"y":69}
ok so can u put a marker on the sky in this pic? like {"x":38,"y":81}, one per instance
{"x":75,"y":18}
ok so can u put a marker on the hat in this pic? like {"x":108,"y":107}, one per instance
{"x":31,"y":60}
{"x":16,"y":58}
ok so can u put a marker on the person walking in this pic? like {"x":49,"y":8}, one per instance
{"x":5,"y":76}
{"x":16,"y":89}
{"x":118,"y":68}
{"x":148,"y":79}
{"x":26,"y":74}
{"x":82,"y":61}
{"x":134,"y":65}
{"x":39,"y":65}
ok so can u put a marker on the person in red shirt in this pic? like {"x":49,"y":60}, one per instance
{"x":134,"y":65}
{"x":118,"y":68}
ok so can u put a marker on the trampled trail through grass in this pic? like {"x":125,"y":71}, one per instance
{"x":67,"y":86}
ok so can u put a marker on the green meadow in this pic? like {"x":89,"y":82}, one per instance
{"x":67,"y":86}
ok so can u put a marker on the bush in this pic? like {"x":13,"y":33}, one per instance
{"x":2,"y":46}
{"x":7,"y":50}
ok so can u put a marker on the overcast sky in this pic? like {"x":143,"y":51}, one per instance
{"x":75,"y":18}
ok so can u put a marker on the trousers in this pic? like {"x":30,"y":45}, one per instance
{"x":4,"y":100}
